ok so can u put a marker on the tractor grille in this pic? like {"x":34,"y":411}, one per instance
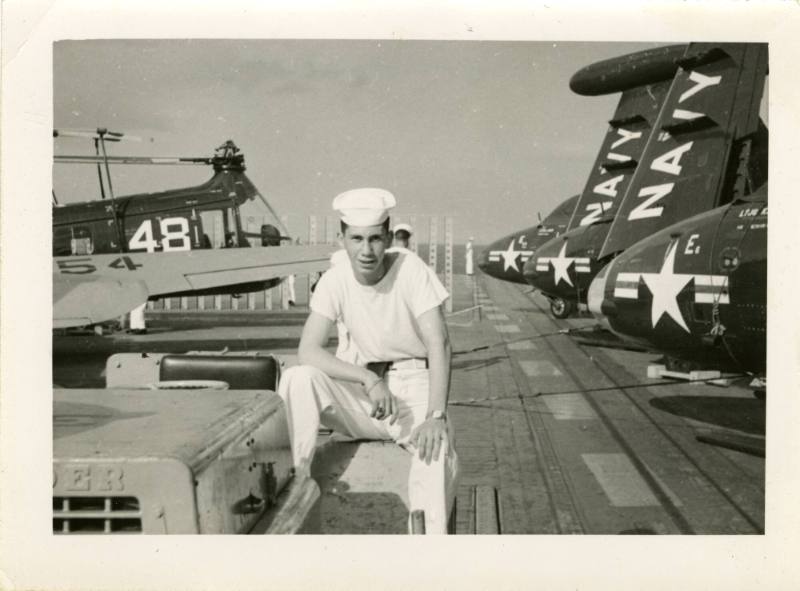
{"x":96,"y":515}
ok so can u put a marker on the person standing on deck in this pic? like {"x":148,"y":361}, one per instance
{"x":468,"y":257}
{"x":136,"y":323}
{"x":391,"y":307}
{"x":402,"y":235}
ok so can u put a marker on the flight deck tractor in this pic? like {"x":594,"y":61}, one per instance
{"x":165,"y":449}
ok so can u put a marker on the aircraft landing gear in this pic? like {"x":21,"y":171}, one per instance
{"x":561,"y":308}
{"x":759,"y":388}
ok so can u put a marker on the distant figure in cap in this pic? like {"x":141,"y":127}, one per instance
{"x":402,"y":235}
{"x":397,"y":388}
{"x":468,"y":254}
{"x":136,"y":322}
{"x":291,"y":294}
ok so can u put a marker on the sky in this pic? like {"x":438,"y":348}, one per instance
{"x":487,"y":132}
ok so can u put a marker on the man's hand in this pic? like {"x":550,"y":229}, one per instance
{"x":428,"y":438}
{"x":383,"y":402}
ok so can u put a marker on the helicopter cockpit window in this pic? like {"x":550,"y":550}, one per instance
{"x":256,"y":213}
{"x":81,"y":242}
{"x":231,"y":239}
{"x":235,"y":236}
{"x":214,"y":228}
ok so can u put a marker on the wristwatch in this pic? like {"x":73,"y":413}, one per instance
{"x":438,"y":414}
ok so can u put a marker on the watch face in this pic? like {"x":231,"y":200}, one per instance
{"x":437,"y":414}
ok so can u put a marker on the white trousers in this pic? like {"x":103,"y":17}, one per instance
{"x":312,"y":398}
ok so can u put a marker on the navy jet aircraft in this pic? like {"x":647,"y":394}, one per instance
{"x":504,"y":258}
{"x":705,"y":148}
{"x":696,"y":290}
{"x":643,"y":77}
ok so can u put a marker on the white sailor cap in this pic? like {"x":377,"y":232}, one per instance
{"x":404,"y":227}
{"x":364,"y":207}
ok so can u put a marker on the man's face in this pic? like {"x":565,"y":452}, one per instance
{"x":366,"y":247}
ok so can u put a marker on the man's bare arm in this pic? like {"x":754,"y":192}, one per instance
{"x":437,"y":342}
{"x":429,"y":435}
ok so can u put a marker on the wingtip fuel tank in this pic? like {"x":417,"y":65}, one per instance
{"x":627,"y":71}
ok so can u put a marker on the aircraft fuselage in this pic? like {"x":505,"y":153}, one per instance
{"x":202,"y":217}
{"x":505,"y":258}
{"x":695,"y":290}
{"x":565,"y":266}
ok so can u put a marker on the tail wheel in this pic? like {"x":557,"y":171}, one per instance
{"x":561,"y":308}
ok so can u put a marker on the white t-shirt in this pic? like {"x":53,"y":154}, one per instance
{"x":381,"y":318}
{"x":346,"y":349}
{"x":340,"y":258}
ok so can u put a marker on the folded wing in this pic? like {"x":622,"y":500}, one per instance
{"x":90,"y":289}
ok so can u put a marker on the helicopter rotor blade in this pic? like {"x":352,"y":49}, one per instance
{"x":167,"y":160}
{"x":109,"y":136}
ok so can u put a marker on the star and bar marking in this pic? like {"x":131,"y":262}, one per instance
{"x":666,"y":285}
{"x":561,"y":265}
{"x":509,"y":256}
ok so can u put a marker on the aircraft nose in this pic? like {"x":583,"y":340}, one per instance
{"x":595,"y":298}
{"x":529,"y":270}
{"x":483,"y":260}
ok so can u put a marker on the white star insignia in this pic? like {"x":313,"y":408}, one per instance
{"x":561,"y":265}
{"x":510,"y":257}
{"x":665,"y":287}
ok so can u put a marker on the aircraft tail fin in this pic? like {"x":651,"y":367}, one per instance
{"x":701,"y":144}
{"x":619,"y":153}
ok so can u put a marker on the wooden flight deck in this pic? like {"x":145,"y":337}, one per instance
{"x":554,"y":435}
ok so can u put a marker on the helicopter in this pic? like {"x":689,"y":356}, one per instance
{"x":207,"y":216}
